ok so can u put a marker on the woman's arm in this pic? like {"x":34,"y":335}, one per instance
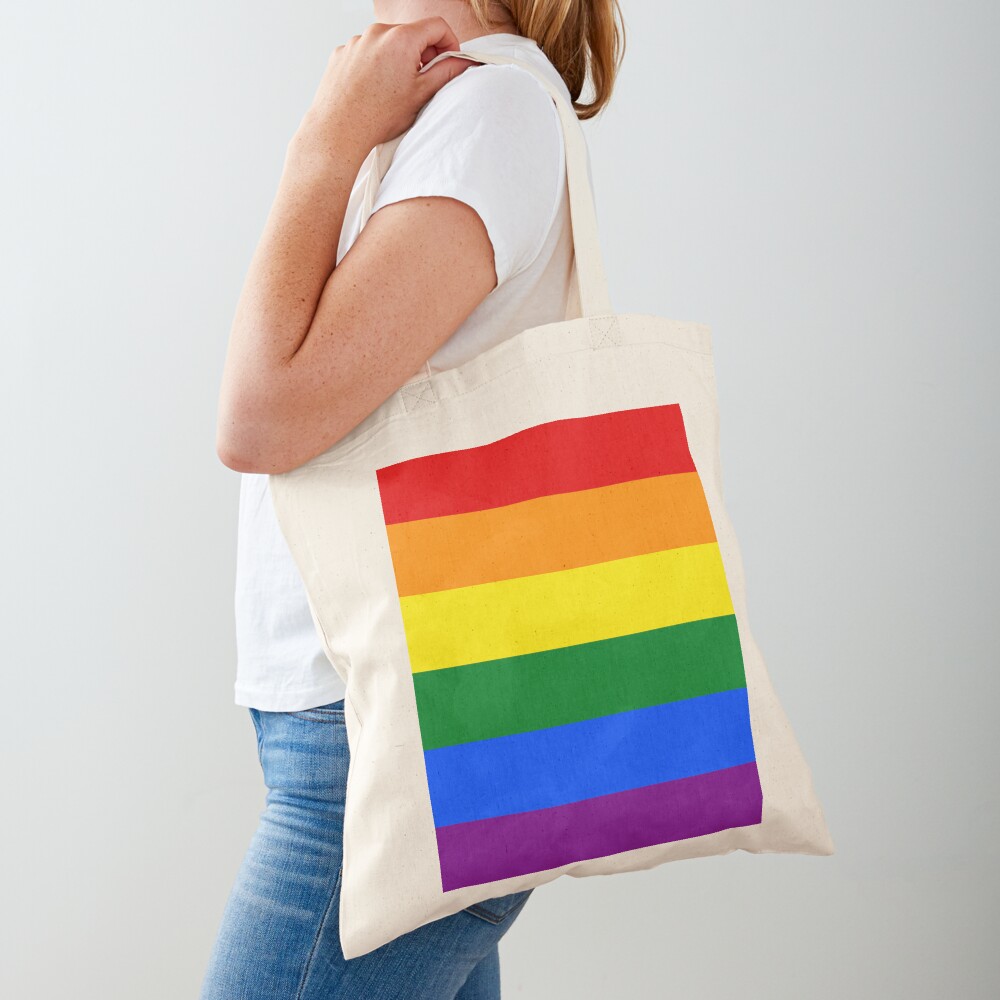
{"x":316,"y":347}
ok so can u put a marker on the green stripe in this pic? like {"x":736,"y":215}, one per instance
{"x":516,"y":694}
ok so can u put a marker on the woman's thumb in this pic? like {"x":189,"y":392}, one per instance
{"x":442,"y":68}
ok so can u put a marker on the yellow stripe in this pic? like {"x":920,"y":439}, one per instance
{"x":548,"y":610}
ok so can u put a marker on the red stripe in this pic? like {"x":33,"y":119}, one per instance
{"x":560,"y":456}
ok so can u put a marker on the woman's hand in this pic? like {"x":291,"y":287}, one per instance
{"x":373,"y":89}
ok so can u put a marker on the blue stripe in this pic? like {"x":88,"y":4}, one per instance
{"x":612,"y":753}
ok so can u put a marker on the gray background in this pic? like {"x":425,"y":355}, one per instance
{"x":816,"y":181}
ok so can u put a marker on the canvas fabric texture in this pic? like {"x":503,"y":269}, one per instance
{"x":525,"y":573}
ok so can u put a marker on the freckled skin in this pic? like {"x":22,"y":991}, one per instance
{"x":314,"y":348}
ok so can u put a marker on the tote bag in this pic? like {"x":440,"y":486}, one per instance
{"x":524,"y":571}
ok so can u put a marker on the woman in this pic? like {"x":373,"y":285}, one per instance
{"x":468,"y":242}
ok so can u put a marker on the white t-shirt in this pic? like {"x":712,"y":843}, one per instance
{"x":491,"y":138}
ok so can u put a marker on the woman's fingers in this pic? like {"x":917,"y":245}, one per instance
{"x":433,"y":79}
{"x":373,"y":86}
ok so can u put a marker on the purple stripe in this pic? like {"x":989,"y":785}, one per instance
{"x":485,"y":850}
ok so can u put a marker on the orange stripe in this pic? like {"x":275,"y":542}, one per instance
{"x":550,"y":533}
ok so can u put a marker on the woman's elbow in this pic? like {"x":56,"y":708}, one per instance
{"x":259,"y":440}
{"x":235,"y":451}
{"x":241,"y":441}
{"x":232,"y":458}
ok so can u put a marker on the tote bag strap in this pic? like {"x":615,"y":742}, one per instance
{"x":591,"y":282}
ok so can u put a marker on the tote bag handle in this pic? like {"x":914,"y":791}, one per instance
{"x":592,"y":285}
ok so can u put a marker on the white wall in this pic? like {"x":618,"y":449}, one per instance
{"x":816,"y":181}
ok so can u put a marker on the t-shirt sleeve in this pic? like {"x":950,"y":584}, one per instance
{"x":492,"y":139}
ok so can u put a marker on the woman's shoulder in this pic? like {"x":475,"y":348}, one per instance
{"x":499,"y":90}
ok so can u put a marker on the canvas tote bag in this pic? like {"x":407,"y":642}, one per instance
{"x":524,"y":571}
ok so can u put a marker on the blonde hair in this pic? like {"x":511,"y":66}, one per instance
{"x":578,"y":36}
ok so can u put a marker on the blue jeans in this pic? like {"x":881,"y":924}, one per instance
{"x":279,"y":938}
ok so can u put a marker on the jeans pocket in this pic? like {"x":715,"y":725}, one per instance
{"x":499,"y":907}
{"x":333,"y":712}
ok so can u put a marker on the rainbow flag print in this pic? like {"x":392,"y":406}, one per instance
{"x":576,"y":661}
